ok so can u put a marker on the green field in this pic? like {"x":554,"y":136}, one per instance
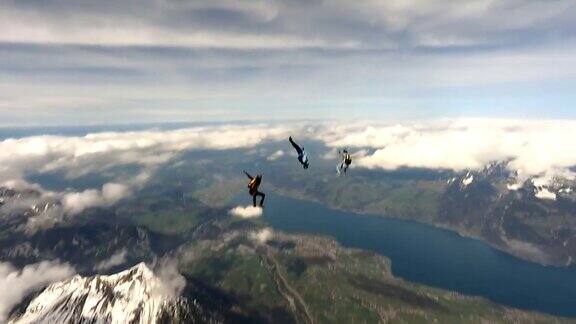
{"x":312,"y":279}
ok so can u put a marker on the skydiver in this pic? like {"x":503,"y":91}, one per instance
{"x":253,"y":186}
{"x":302,"y":157}
{"x":346,"y":160}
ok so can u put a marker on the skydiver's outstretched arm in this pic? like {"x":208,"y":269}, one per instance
{"x":249,"y":176}
{"x":298,"y":149}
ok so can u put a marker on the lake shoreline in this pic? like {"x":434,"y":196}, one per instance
{"x":459,"y":231}
{"x":435,"y":256}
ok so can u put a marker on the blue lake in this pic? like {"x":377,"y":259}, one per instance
{"x":435,"y":257}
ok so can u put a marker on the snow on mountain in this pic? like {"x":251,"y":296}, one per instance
{"x":135,"y":295}
{"x":491,"y":172}
{"x":548,"y":186}
{"x":468,"y":179}
{"x":28,"y":209}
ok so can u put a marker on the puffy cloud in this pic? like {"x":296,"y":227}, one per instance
{"x":262,"y":236}
{"x":100,"y":151}
{"x":97,"y":152}
{"x":545,"y":194}
{"x":115,"y":259}
{"x":77,"y":202}
{"x":246,"y":212}
{"x":18,"y":283}
{"x":171,"y":282}
{"x":20,"y":184}
{"x":451,"y":144}
{"x":275,"y":156}
{"x":532,"y":147}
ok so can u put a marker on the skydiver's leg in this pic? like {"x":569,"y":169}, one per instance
{"x":254,"y":199}
{"x":296,"y":147}
{"x":261,"y":194}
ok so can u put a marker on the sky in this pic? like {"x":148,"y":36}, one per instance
{"x":70,"y":62}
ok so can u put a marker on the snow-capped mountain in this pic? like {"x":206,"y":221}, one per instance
{"x":552,"y":187}
{"x":19,"y":206}
{"x":509,"y":210}
{"x":135,"y":295}
{"x":544,"y":187}
{"x":491,"y":171}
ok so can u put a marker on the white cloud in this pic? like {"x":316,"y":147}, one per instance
{"x":171,"y":282}
{"x":18,"y":283}
{"x":99,"y":151}
{"x":20,"y":184}
{"x":81,"y":155}
{"x":262,"y":236}
{"x":111,"y":193}
{"x":545,"y":194}
{"x":246,"y":212}
{"x":534,"y":147}
{"x":275,"y":156}
{"x":115,"y":259}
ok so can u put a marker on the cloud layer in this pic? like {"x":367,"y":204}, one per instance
{"x":281,"y":24}
{"x":78,"y":62}
{"x":77,"y":156}
{"x":99,"y":151}
{"x":530,"y":147}
{"x":17,"y":283}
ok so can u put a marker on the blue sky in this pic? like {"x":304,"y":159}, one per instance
{"x":91,"y":62}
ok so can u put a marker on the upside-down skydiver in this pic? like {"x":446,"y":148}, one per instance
{"x":253,"y":186}
{"x":346,"y":161}
{"x":302,"y":157}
